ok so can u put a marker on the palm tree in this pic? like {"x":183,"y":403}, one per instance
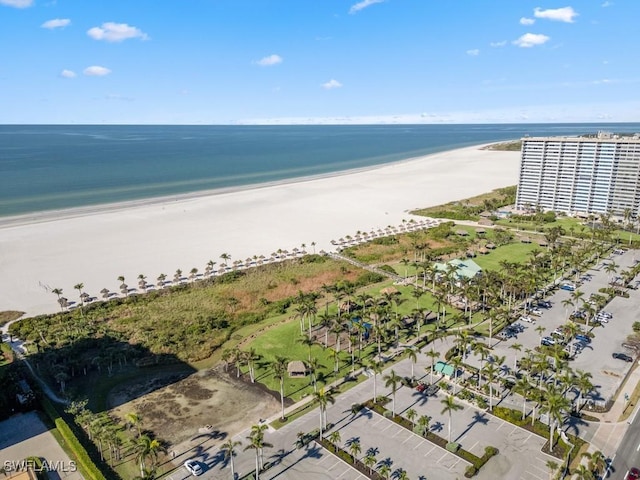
{"x":257,"y":443}
{"x":312,"y":367}
{"x":143,"y":450}
{"x":384,"y":469}
{"x":583,"y":473}
{"x":411,"y":416}
{"x":334,"y":437}
{"x":433,"y":355}
{"x":423,"y":423}
{"x":540,"y":329}
{"x":596,"y":462}
{"x":524,"y":387}
{"x":79,"y":287}
{"x":376,"y":367}
{"x":58,"y":292}
{"x":516,"y":347}
{"x":584,"y":385}
{"x":355,"y":448}
{"x":323,"y":398}
{"x":412,"y":354}
{"x":491,"y":370}
{"x":308,"y":342}
{"x":555,"y":405}
{"x":449,"y":406}
{"x":279,"y":370}
{"x":391,"y":381}
{"x":229,"y":452}
{"x":134,"y":420}
{"x":370,"y":460}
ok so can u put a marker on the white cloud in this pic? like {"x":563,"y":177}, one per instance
{"x":474,"y":52}
{"x":531,"y":40}
{"x":606,"y":4}
{"x":527,"y":21}
{"x":56,"y":23}
{"x":67,"y":73}
{"x":331,"y":84}
{"x":270,"y":60}
{"x":17,"y":3}
{"x":96,"y":71}
{"x":362,"y":5}
{"x":498,"y":44}
{"x":116,"y":32}
{"x":564,"y":14}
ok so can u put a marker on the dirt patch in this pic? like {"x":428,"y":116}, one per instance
{"x":186,"y":412}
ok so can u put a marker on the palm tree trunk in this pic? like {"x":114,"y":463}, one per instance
{"x":282,"y":397}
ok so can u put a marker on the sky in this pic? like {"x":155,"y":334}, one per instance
{"x":318,"y":61}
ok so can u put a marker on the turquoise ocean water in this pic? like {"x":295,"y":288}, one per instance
{"x":52,"y":167}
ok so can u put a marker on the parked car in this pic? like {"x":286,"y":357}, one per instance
{"x":622,"y":356}
{"x":535,"y":311}
{"x":632,"y":474}
{"x":527,"y":318}
{"x":604,"y":313}
{"x":194,"y":467}
{"x":431,"y":390}
{"x":583,"y":338}
{"x":602,"y":319}
{"x":570,"y":287}
{"x":544,"y":304}
{"x":547,"y":341}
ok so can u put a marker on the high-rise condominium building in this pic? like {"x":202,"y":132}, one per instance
{"x":581,"y":175}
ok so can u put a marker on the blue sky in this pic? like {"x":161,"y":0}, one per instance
{"x":318,"y":61}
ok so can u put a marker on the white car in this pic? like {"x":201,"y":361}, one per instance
{"x":536,"y":311}
{"x":194,"y":467}
{"x":527,"y":318}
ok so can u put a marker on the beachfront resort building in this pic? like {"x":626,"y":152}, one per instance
{"x":581,"y":175}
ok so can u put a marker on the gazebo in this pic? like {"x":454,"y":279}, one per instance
{"x":297,"y":368}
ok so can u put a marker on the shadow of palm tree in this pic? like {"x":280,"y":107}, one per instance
{"x":478,"y":418}
{"x":437,"y":427}
{"x":351,"y":441}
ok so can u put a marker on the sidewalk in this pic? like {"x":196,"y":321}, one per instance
{"x":611,"y":431}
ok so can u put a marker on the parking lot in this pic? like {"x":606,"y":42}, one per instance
{"x":520,"y":451}
{"x":596,"y":357}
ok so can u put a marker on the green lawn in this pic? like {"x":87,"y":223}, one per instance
{"x":513,"y":252}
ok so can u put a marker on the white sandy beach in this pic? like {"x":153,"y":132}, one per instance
{"x":95,"y":246}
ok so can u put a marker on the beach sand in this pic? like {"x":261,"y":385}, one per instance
{"x":96,"y":245}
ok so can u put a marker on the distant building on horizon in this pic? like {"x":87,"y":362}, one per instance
{"x":597,"y":174}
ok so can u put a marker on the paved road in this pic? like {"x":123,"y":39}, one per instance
{"x":628,"y":453}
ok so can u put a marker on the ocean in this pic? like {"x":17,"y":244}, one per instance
{"x":51,"y":167}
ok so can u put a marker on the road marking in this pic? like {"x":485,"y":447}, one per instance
{"x":442,"y":457}
{"x":421,"y":442}
{"x":407,"y":439}
{"x":472,"y":447}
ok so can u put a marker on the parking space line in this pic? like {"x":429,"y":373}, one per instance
{"x":429,"y":452}
{"x":421,"y":442}
{"x":407,"y":439}
{"x":345,"y":471}
{"x":387,"y":427}
{"x":442,"y":457}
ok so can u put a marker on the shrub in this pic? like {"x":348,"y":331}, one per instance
{"x":470,"y":471}
{"x":388,"y":269}
{"x":388,"y":414}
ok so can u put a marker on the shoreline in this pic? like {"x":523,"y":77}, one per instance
{"x":96,"y":245}
{"x":74,"y":212}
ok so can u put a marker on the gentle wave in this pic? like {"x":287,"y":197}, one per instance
{"x":55,"y":167}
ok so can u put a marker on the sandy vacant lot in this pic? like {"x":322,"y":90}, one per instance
{"x":207,"y":405}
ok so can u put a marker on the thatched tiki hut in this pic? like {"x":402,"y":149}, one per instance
{"x":297,"y":368}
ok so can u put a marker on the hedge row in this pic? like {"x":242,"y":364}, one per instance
{"x":88,"y":468}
